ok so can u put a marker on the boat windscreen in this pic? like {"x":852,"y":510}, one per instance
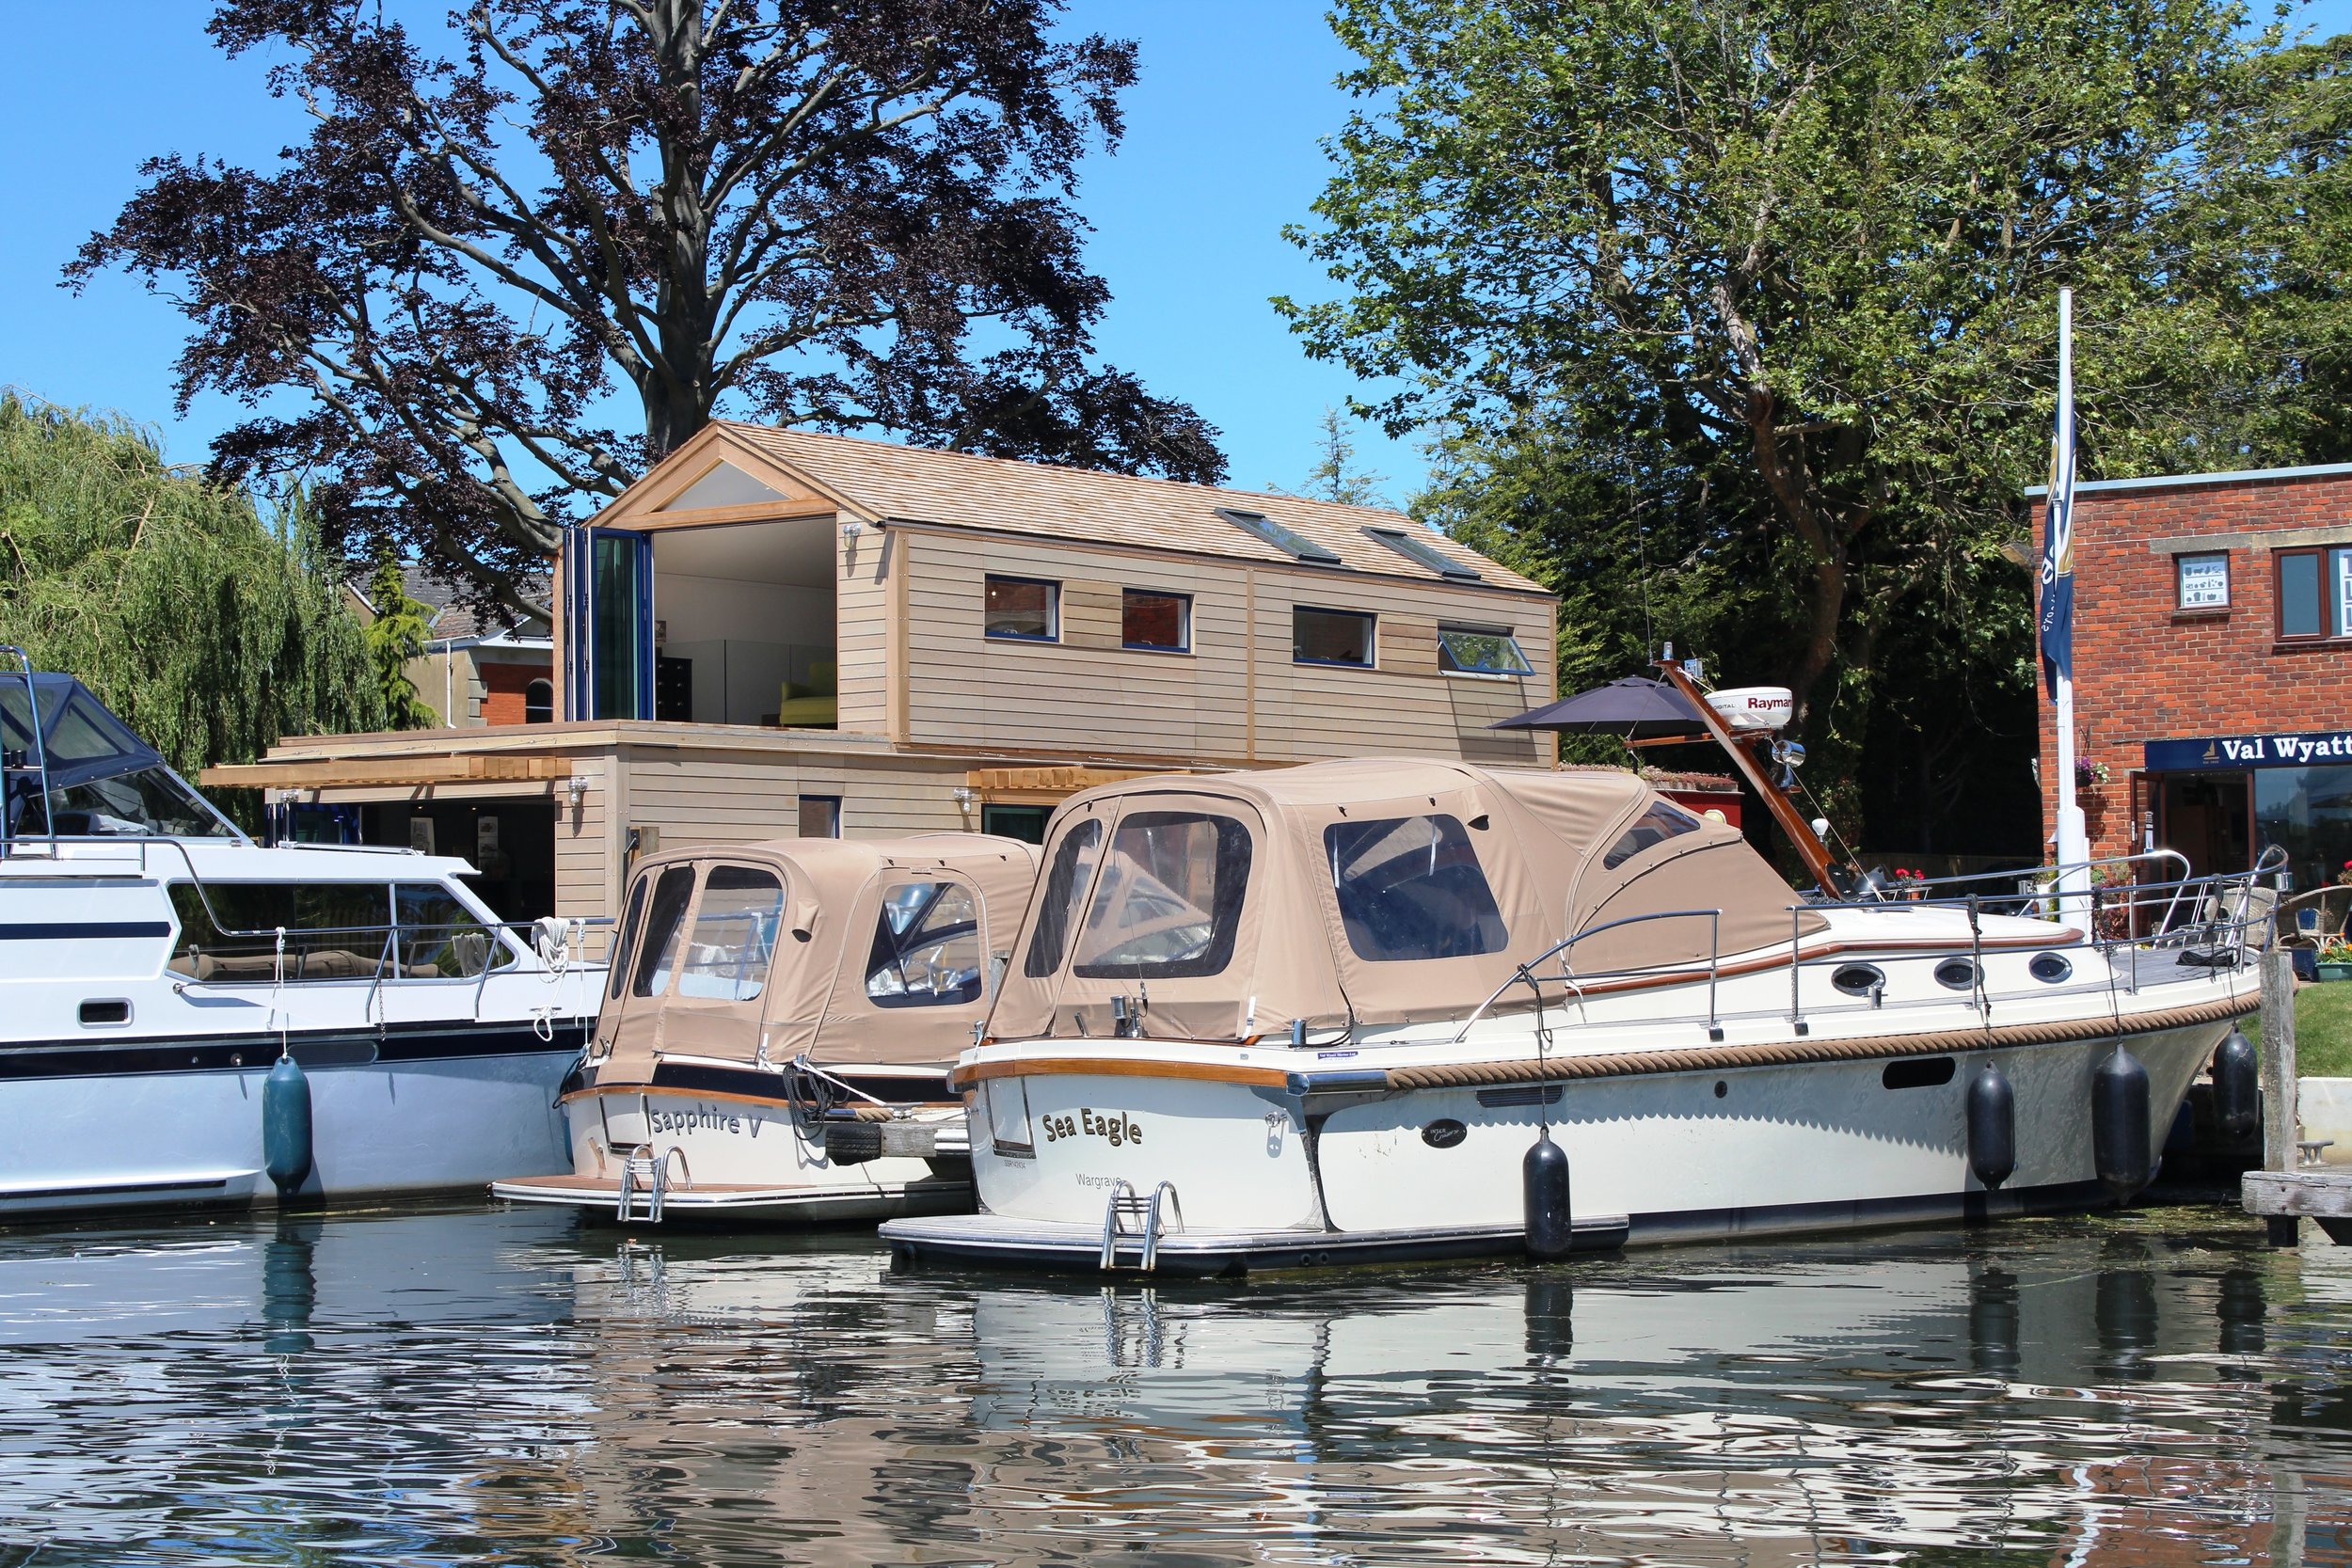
{"x":82,"y":739}
{"x":103,"y":778}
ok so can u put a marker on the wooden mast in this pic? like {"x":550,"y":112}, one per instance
{"x":1809,"y":846}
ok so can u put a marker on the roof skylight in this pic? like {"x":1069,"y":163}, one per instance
{"x":1425,"y":553}
{"x":1274,"y":534}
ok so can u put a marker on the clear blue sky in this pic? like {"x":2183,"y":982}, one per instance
{"x":1221,"y":152}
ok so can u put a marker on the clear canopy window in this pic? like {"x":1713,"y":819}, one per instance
{"x":1066,"y":884}
{"x":1411,"y":887}
{"x":735,"y":935}
{"x":656,"y":948}
{"x":627,"y":933}
{"x":1469,"y":650}
{"x":1168,"y":903}
{"x":927,"y":948}
{"x":1023,"y":608}
{"x":1655,"y":826}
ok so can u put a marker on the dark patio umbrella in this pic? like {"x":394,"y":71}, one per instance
{"x":1635,"y":709}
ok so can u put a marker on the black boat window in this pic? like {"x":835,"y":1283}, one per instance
{"x":1655,"y":826}
{"x":927,"y":948}
{"x":2049,"y":968}
{"x":1168,"y":904}
{"x":735,"y":935}
{"x":439,"y":936}
{"x":621,"y":938}
{"x":1066,"y":887}
{"x":657,"y":950}
{"x":334,"y":930}
{"x":1411,"y":887}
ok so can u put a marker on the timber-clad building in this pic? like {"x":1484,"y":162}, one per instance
{"x":776,"y":633}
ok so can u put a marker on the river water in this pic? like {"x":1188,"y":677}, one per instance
{"x":475,"y":1385}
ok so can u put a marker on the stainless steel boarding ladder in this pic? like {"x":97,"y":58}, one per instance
{"x":1124,"y":1207}
{"x":642,"y":1165}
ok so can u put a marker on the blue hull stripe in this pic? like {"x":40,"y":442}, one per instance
{"x":396,"y":1044}
{"x":84,"y":931}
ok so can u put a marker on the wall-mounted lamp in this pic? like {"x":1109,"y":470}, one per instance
{"x":576,"y":787}
{"x":851,"y":528}
{"x":965,"y":796}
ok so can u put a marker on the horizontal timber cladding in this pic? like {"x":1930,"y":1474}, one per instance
{"x":710,"y":797}
{"x":1408,"y":645}
{"x":583,"y":847}
{"x":862,"y":635}
{"x":1090,"y":614}
{"x":1235,"y":696}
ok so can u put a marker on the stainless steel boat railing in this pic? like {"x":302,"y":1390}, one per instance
{"x":2210,"y":923}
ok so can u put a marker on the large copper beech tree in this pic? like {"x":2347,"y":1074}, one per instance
{"x":520,"y":258}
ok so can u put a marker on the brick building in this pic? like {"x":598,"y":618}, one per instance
{"x":2213,"y":667}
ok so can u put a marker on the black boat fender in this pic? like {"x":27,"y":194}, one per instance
{"x":2118,"y":1123}
{"x":2236,"y":1091}
{"x":1991,"y":1126}
{"x":1544,"y":1175}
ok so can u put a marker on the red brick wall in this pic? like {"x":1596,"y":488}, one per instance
{"x":504,"y":686}
{"x":2147,"y":671}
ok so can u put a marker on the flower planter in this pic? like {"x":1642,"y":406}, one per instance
{"x":2335,"y":972}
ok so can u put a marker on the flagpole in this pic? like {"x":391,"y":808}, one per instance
{"x":2073,"y":834}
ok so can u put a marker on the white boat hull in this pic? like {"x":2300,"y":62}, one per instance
{"x":744,"y":1158}
{"x":1255,"y":1179}
{"x":380,"y":1128}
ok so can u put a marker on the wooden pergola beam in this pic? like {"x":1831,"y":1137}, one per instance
{"x":388,"y":770}
{"x":999,"y":783}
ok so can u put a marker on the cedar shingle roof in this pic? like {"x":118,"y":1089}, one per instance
{"x":914,"y":485}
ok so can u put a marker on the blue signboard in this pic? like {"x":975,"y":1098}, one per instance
{"x":2222,"y":752}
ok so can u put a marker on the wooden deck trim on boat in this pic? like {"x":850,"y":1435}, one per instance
{"x":1795,"y":1053}
{"x":1117,"y":1066}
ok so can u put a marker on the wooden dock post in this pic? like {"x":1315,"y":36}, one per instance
{"x":2280,"y":1086}
{"x":2283,"y":1192}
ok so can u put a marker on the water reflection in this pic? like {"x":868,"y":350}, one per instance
{"x":472,"y":1386}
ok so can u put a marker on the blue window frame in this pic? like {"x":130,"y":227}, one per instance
{"x":1022,"y":610}
{"x":1340,"y":637}
{"x":608,"y":629}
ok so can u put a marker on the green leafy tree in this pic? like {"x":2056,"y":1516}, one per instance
{"x":210,"y":632}
{"x":1777,"y":278}
{"x":1336,"y":476}
{"x":396,"y":636}
{"x":530,"y":246}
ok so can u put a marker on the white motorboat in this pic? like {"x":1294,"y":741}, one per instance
{"x":776,"y":1035}
{"x":172,"y":986}
{"x":1324,"y":1014}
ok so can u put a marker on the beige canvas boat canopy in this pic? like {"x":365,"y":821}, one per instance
{"x":1375,"y":890}
{"x":846,"y":952}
